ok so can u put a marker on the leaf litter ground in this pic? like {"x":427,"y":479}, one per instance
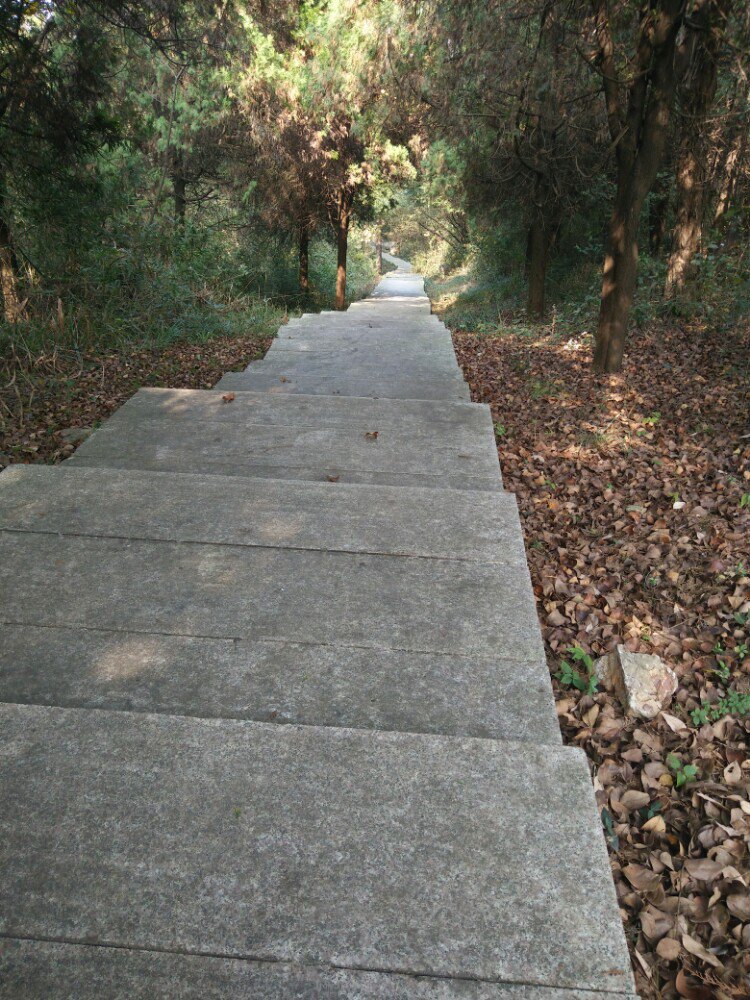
{"x":634,"y":493}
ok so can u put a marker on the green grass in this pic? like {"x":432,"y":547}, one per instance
{"x":154,"y":289}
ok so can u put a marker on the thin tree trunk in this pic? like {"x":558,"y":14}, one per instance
{"x":8,"y":281}
{"x":733,"y":160}
{"x":304,"y":258}
{"x":657,"y":216}
{"x":619,"y":281}
{"x":180,"y":199}
{"x":697,"y":92}
{"x":379,"y":252}
{"x":538,"y":256}
{"x":688,"y":228}
{"x":342,"y":242}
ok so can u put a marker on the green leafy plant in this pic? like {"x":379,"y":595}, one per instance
{"x":500,"y":429}
{"x":609,"y":830}
{"x":733,"y":704}
{"x":653,"y":419}
{"x":683,"y":772}
{"x":581,"y":677}
{"x":745,"y":501}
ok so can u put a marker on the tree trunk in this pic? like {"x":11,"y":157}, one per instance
{"x":688,"y":227}
{"x":639,"y":126}
{"x":657,"y":216}
{"x":730,"y":170}
{"x":619,"y":280}
{"x":379,"y":252}
{"x":342,"y":241}
{"x":304,"y":258}
{"x":697,"y":93}
{"x":179,"y":188}
{"x":180,"y":200}
{"x":538,"y":255}
{"x":11,"y":302}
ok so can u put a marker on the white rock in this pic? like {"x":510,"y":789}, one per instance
{"x":644,"y":683}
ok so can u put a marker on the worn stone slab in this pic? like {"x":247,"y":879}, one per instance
{"x":367,"y":348}
{"x":422,"y":855}
{"x":399,"y":386}
{"x":356,"y":341}
{"x":419,"y":443}
{"x":280,"y":682}
{"x":240,"y":592}
{"x":384,"y":316}
{"x":42,"y":969}
{"x":442,"y":524}
{"x":397,"y":333}
{"x":366,"y":366}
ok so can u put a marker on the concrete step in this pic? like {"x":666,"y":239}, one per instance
{"x":373,"y":343}
{"x":401,"y":386}
{"x":241,"y":592}
{"x":430,"y":856}
{"x":419,"y":442}
{"x":440,"y":524}
{"x":416,"y":343}
{"x":80,"y":972}
{"x":354,"y":353}
{"x":371,"y":366}
{"x":378,"y":318}
{"x":279,"y":682}
{"x":114,"y":665}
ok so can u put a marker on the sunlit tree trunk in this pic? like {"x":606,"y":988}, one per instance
{"x":730,"y":171}
{"x":379,"y":252}
{"x":342,"y":241}
{"x":8,"y":279}
{"x":619,"y":279}
{"x":304,"y":258}
{"x":697,"y":94}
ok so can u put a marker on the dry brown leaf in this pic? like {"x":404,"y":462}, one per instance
{"x":675,"y":724}
{"x":738,"y":904}
{"x":703,"y":869}
{"x":668,"y":949}
{"x":693,"y":946}
{"x":633,"y":799}
{"x":641,"y":878}
{"x":655,"y":825}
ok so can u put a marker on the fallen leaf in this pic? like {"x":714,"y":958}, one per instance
{"x":696,"y":948}
{"x":668,"y":949}
{"x":655,"y":825}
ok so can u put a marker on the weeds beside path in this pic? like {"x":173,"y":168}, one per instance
{"x":634,"y":494}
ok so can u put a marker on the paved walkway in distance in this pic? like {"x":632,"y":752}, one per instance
{"x":276,"y":720}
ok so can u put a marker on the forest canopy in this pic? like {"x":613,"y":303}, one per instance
{"x":163,"y":164}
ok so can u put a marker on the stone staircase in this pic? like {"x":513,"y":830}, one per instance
{"x":276,"y":719}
